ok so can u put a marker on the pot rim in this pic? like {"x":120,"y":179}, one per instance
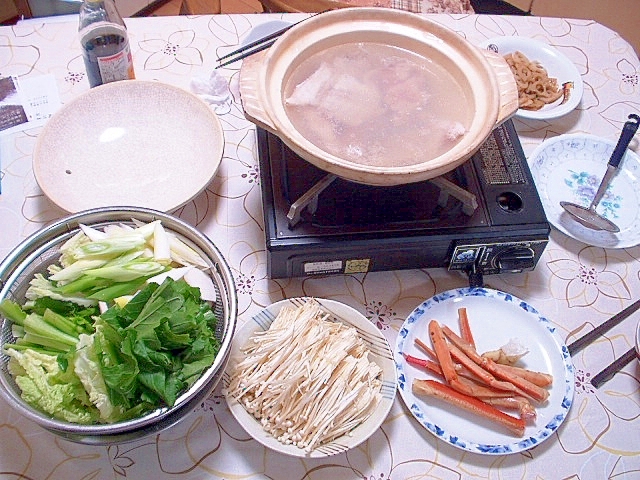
{"x":333,"y":27}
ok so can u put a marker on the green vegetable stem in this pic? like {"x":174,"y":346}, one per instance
{"x":96,"y":342}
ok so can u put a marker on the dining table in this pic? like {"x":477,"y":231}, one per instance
{"x":575,"y":286}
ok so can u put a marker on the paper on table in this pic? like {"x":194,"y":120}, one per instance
{"x":11,"y":109}
{"x":27,"y":103}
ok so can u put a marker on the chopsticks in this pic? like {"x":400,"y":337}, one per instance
{"x":603,"y":328}
{"x":619,"y":363}
{"x":258,"y":45}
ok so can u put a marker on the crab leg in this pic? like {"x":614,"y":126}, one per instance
{"x":444,"y":358}
{"x":444,"y":353}
{"x":481,"y":373}
{"x":465,"y":377}
{"x":425,"y":348}
{"x":465,"y":328}
{"x":436,"y":389}
{"x":429,"y":351}
{"x":432,"y":367}
{"x":534,"y":391}
{"x":483,"y":391}
{"x":537,"y":378}
{"x":524,"y":407}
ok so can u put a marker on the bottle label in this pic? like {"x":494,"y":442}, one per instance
{"x":106,"y":52}
{"x":116,"y":67}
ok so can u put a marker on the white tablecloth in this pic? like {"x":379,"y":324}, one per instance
{"x":574,"y":285}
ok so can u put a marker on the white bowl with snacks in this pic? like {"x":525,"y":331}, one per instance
{"x":556,"y":65}
{"x":294,"y":435}
{"x":109,"y":294}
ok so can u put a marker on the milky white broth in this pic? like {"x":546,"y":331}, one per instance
{"x":377,"y":104}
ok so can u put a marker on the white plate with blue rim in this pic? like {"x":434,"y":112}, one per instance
{"x":495,"y":318}
{"x":557,"y":66}
{"x":379,"y":352}
{"x":570,"y":167}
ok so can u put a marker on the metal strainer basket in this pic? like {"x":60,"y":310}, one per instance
{"x":41,"y":249}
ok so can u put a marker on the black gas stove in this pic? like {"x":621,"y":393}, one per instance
{"x":484,"y":217}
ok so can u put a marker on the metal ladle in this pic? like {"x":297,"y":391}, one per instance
{"x":588,"y":216}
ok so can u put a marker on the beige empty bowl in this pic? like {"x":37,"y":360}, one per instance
{"x":133,"y":142}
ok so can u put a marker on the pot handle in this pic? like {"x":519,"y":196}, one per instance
{"x":250,"y":97}
{"x":507,"y":87}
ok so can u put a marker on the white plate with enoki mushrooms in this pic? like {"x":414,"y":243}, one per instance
{"x":496,"y":319}
{"x":305,"y":348}
{"x":557,"y":68}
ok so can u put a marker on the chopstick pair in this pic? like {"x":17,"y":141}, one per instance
{"x":258,"y":45}
{"x":586,"y":339}
{"x":618,"y":364}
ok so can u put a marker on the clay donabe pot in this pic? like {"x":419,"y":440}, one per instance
{"x":485,"y":78}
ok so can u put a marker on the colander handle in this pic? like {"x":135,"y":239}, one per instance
{"x":507,"y":87}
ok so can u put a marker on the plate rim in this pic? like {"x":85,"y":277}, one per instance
{"x":389,"y":387}
{"x":531,"y":160}
{"x":71,"y":206}
{"x":578,"y":88}
{"x":519,"y":444}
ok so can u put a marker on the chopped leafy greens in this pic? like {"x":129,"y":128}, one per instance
{"x":78,"y":364}
{"x":50,"y":388}
{"x":147,"y":345}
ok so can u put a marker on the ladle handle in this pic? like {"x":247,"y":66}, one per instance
{"x":628,"y":131}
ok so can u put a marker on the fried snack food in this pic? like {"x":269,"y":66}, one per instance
{"x":535,"y":88}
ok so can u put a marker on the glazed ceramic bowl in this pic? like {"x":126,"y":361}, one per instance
{"x":638,"y":342}
{"x":485,"y":78}
{"x":133,"y":142}
{"x":42,"y":249}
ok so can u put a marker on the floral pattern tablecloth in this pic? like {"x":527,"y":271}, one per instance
{"x":575,"y":285}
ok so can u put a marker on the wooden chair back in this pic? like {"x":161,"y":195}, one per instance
{"x":313,"y":6}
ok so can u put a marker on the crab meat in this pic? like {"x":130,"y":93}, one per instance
{"x":508,"y":354}
{"x":436,"y":389}
{"x":531,"y":390}
{"x":526,"y":411}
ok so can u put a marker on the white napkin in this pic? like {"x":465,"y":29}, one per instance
{"x":213,"y":90}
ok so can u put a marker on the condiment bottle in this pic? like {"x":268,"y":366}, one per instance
{"x":105,"y":43}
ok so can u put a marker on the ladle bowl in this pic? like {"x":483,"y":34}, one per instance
{"x":588,"y":216}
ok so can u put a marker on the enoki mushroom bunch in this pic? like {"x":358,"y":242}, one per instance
{"x":308,"y":380}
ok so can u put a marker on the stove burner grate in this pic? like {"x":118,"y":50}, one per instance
{"x":484,"y":217}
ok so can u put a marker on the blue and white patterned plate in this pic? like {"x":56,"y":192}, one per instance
{"x":569,"y":167}
{"x":495,"y":318}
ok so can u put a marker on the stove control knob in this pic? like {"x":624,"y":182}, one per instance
{"x":515,"y":259}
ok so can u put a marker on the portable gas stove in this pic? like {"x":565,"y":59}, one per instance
{"x":484,"y":217}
